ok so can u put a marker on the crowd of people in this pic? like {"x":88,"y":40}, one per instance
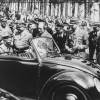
{"x":18,"y":29}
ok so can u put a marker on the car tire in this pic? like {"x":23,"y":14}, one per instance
{"x":65,"y":91}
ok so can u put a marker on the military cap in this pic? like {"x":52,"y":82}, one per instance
{"x":59,"y":25}
{"x":39,"y":20}
{"x":32,"y":22}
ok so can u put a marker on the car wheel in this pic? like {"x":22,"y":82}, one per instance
{"x":66,"y":92}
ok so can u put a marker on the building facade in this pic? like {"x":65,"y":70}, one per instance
{"x":63,"y":8}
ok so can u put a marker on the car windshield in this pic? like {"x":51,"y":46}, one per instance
{"x":46,"y":47}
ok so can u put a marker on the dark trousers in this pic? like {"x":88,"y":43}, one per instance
{"x":97,"y":51}
{"x":91,"y":51}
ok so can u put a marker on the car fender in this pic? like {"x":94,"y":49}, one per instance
{"x":82,"y":79}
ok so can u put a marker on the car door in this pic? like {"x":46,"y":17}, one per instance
{"x":19,"y":75}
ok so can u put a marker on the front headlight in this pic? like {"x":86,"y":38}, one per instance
{"x":97,"y":84}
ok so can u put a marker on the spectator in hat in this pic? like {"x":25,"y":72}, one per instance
{"x":81,"y":40}
{"x":5,"y":29}
{"x":7,"y":12}
{"x":98,"y":46}
{"x":17,"y":15}
{"x":51,"y":28}
{"x":6,"y":46}
{"x":1,"y":13}
{"x":18,"y":18}
{"x":33,"y":28}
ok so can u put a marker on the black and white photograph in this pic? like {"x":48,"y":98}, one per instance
{"x":49,"y":49}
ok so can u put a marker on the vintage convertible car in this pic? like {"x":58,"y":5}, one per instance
{"x":45,"y":74}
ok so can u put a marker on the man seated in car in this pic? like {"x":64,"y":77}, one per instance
{"x":22,"y":39}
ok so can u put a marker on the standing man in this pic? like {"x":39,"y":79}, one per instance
{"x":98,"y":47}
{"x":42,"y":30}
{"x":4,"y":29}
{"x":6,"y":46}
{"x":92,"y":43}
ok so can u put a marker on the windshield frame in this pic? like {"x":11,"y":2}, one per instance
{"x":34,"y":46}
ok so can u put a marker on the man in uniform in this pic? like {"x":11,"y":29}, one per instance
{"x":42,"y":30}
{"x":81,"y":40}
{"x":22,"y":39}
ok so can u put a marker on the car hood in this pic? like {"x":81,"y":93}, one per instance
{"x":73,"y":63}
